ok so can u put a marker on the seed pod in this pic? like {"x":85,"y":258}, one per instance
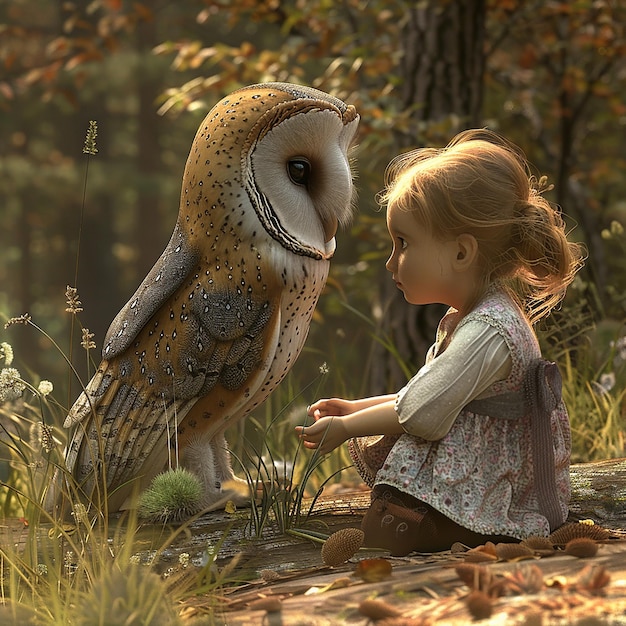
{"x":341,"y":546}
{"x":479,"y":604}
{"x":541,"y":546}
{"x":270,"y":604}
{"x":377,"y":610}
{"x":474,"y":576}
{"x":567,"y":532}
{"x":582,"y":547}
{"x":513,"y":551}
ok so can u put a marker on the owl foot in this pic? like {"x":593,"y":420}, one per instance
{"x":209,"y":460}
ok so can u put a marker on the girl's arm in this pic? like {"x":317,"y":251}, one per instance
{"x":331,"y":431}
{"x":431,"y":401}
{"x":339,"y":406}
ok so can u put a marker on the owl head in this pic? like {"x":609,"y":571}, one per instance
{"x":281,"y":150}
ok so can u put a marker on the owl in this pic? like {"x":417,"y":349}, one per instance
{"x":223,"y":314}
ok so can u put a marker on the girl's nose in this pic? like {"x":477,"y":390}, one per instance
{"x":390,"y":263}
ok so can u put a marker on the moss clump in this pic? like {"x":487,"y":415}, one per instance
{"x":173,"y":496}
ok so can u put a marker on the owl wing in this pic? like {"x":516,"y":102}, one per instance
{"x":218,"y":347}
{"x":167,"y":275}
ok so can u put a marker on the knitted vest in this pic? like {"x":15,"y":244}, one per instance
{"x":481,"y":474}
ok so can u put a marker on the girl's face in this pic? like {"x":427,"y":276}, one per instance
{"x":423,"y":267}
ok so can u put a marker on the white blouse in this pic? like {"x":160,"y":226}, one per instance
{"x":430,"y":402}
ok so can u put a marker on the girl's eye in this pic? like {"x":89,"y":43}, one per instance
{"x":402,"y":243}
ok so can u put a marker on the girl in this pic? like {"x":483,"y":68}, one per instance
{"x":476,"y":446}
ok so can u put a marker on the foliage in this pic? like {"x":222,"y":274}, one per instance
{"x":81,"y":568}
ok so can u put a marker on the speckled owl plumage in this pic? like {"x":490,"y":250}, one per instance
{"x":223,"y":314}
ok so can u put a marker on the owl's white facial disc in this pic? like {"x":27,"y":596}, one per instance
{"x":303,"y":180}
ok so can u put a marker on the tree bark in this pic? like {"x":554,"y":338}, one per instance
{"x":442,"y":69}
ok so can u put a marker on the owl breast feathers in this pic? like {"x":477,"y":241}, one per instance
{"x":223,"y":314}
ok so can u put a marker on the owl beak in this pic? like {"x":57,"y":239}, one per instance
{"x":330,"y":228}
{"x":329,"y":248}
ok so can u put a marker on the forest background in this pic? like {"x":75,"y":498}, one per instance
{"x":549,"y":75}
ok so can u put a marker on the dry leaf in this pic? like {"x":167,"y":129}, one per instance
{"x":373,"y":570}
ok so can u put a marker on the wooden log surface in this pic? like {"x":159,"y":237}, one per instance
{"x":599,"y":492}
{"x":426,"y":589}
{"x":419,"y":584}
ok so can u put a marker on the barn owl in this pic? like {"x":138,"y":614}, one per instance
{"x":223,"y":314}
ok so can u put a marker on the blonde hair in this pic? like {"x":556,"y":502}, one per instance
{"x":481,"y":184}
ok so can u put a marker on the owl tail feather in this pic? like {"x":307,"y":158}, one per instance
{"x":121,"y":437}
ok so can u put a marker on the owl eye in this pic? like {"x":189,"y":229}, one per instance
{"x":299,"y":171}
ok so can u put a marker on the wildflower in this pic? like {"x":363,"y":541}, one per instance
{"x":74,"y":305}
{"x":183,"y":559}
{"x":45,"y":388}
{"x":68,"y":563}
{"x":80,"y":513}
{"x":607,"y":381}
{"x":11,"y":384}
{"x":87,"y":340}
{"x":41,"y":437}
{"x":6,"y":353}
{"x":620,"y":351}
{"x":90,"y":139}
{"x":324,"y":368}
{"x":22,"y":319}
{"x":45,"y":436}
{"x":135,"y":559}
{"x":603,"y":386}
{"x":42,"y":569}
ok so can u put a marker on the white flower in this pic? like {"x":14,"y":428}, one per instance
{"x":324,"y":368}
{"x":183,"y":559}
{"x":11,"y":384}
{"x":620,"y":350}
{"x":45,"y":387}
{"x":6,"y":353}
{"x":607,"y":381}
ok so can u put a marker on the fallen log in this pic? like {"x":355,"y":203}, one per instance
{"x":599,"y":492}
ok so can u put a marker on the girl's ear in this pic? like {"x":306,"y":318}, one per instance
{"x":466,"y":251}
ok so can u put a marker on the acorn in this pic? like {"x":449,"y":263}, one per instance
{"x":567,"y":532}
{"x":341,"y":546}
{"x":581,"y":547}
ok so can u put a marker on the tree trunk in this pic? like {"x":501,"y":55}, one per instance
{"x":442,"y":71}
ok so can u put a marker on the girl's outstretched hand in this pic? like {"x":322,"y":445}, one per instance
{"x":331,"y":406}
{"x":337,"y":420}
{"x":325,"y":435}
